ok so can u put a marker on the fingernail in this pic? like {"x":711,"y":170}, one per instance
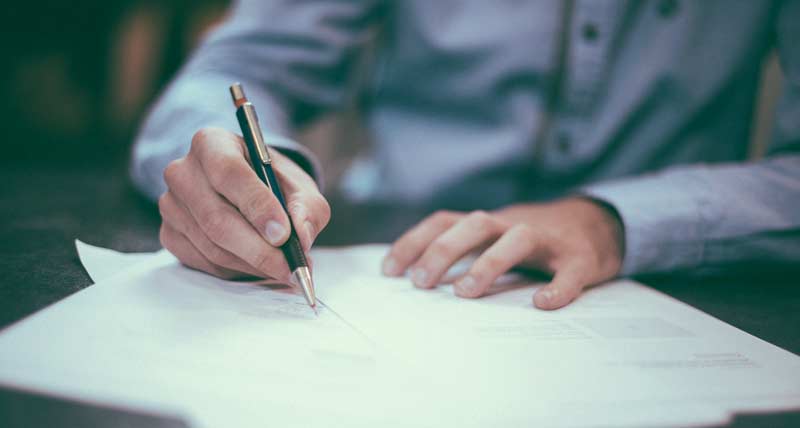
{"x":545,"y":295}
{"x":419,"y":277}
{"x":466,"y":286}
{"x":275,"y":232}
{"x":390,"y":267}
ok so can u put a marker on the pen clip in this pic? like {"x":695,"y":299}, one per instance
{"x":251,"y":126}
{"x":255,"y":133}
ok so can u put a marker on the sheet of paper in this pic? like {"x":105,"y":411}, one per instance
{"x":622,"y":354}
{"x":160,"y":337}
{"x":164,"y":338}
{"x":102,"y":263}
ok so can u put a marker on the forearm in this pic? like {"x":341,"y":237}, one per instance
{"x":290,"y":55}
{"x":699,"y":216}
{"x":199,"y":101}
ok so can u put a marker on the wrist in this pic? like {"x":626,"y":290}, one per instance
{"x":609,"y":219}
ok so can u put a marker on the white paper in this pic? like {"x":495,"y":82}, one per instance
{"x":102,"y":263}
{"x":160,"y":337}
{"x":622,"y":354}
{"x":164,"y":338}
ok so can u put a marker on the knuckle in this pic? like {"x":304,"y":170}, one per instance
{"x":441,"y":249}
{"x":266,"y":262}
{"x":260,"y":207}
{"x":224,"y":171}
{"x":263,"y":262}
{"x":480,"y":219}
{"x":162,"y":205}
{"x":323,"y":209}
{"x":201,"y":138}
{"x":218,"y":256}
{"x":173,"y":172}
{"x":412,"y":245}
{"x":523,"y":232}
{"x":490,"y":263}
{"x":296,"y":208}
{"x":442,"y":216}
{"x":216,"y":225}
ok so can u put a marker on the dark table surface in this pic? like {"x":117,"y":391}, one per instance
{"x":44,"y":208}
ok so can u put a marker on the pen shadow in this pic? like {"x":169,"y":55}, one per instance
{"x":249,"y":283}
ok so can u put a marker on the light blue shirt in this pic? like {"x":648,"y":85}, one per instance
{"x":645,"y":105}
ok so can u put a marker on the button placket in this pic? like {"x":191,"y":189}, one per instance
{"x":592,"y":27}
{"x":563,"y":142}
{"x":591,"y":30}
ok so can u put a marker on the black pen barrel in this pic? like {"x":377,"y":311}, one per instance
{"x":292,"y":249}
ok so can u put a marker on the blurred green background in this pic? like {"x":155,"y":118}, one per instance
{"x":78,"y":75}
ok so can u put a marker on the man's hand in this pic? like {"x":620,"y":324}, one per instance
{"x":577,"y":240}
{"x":219,"y":217}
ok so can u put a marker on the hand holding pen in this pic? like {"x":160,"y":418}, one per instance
{"x":261,"y":161}
{"x":219,"y":217}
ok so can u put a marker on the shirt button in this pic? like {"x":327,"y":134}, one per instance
{"x":667,"y":8}
{"x":563,"y":143}
{"x":589,"y":32}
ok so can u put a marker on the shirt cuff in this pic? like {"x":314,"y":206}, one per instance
{"x":299,"y":154}
{"x":664,"y":218}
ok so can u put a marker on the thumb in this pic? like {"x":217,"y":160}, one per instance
{"x":310,"y":214}
{"x":308,"y":209}
{"x":563,"y":289}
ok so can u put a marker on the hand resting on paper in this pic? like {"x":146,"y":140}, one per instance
{"x":578,"y":241}
{"x":218,"y":217}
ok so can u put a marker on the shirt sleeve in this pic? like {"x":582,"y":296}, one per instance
{"x":293,"y":58}
{"x":704,"y":216}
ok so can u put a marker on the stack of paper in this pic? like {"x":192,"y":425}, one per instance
{"x":156,"y":336}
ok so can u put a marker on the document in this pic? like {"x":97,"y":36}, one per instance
{"x":156,"y":336}
{"x":163,"y":338}
{"x":102,"y":263}
{"x":622,"y":354}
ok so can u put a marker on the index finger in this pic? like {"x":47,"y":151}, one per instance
{"x":222,"y":157}
{"x":409,"y":247}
